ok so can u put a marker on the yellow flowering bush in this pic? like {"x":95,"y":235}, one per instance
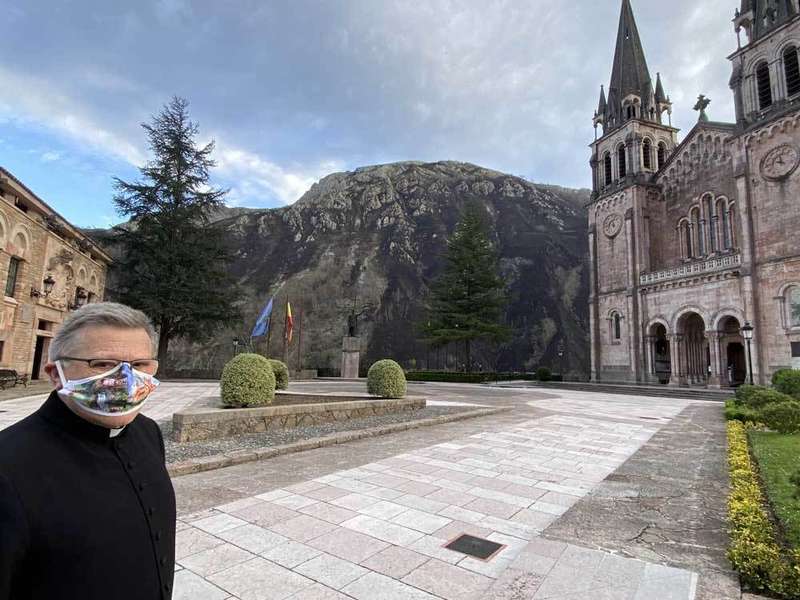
{"x":754,"y":551}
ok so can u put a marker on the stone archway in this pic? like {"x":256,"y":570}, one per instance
{"x":659,"y":353}
{"x":693,"y":355}
{"x":732,"y":359}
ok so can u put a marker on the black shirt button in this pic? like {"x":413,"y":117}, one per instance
{"x":130,"y":465}
{"x":141,"y":487}
{"x":163,"y":561}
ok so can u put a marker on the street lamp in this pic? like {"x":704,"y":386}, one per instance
{"x":48,"y":284}
{"x":235,"y":346}
{"x":561,"y":358}
{"x":80,"y":299}
{"x":747,"y":334}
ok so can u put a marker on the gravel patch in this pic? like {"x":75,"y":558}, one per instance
{"x":182,"y":451}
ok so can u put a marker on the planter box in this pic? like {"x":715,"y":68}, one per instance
{"x":289,"y":410}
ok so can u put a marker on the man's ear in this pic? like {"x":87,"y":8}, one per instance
{"x":52,"y":374}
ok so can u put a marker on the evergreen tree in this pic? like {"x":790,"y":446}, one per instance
{"x":174,"y":264}
{"x":469,"y":296}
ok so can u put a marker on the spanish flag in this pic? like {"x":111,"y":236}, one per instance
{"x":289,"y":322}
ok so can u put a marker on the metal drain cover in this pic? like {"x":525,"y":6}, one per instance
{"x":475,"y":546}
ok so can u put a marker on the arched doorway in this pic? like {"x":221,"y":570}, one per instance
{"x":694,"y":356}
{"x":660,"y":355}
{"x":733,"y":370}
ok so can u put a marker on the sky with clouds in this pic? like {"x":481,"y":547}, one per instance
{"x":292,"y":90}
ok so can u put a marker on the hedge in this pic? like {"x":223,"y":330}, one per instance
{"x":787,"y":381}
{"x":754,"y":550}
{"x":482,"y":377}
{"x":783,"y":417}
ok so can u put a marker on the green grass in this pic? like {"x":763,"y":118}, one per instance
{"x":778,"y":459}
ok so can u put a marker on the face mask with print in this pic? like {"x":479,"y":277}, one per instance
{"x":120,"y":391}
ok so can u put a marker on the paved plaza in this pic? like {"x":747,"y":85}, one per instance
{"x":577,"y":488}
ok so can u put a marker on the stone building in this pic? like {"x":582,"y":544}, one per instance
{"x":48,"y":268}
{"x":690,"y":240}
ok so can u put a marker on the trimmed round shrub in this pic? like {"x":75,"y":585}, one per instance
{"x":761,"y":396}
{"x":386,"y":379}
{"x":743,"y":393}
{"x":544,"y":374}
{"x":783,"y":417}
{"x":787,"y":381}
{"x":281,"y":372}
{"x":247,"y":381}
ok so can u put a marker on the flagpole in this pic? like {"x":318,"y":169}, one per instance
{"x":286,"y":332}
{"x":299,"y":339}
{"x":269,"y":331}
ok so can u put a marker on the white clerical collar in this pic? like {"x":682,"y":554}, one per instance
{"x":115,"y":432}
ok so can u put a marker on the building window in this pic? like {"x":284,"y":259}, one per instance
{"x":731,"y":231}
{"x":698,"y":225}
{"x":616,"y":326}
{"x":662,"y":154}
{"x":791,"y":69}
{"x":795,"y":349}
{"x":711,"y":219}
{"x":647,"y":154}
{"x":13,"y":272}
{"x":609,"y":176}
{"x":764,"y":86}
{"x":794,"y":306}
{"x":686,"y":239}
{"x":621,"y":161}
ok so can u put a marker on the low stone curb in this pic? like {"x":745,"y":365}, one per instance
{"x":238,"y":457}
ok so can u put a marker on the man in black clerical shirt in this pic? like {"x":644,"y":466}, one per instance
{"x":87,"y":509}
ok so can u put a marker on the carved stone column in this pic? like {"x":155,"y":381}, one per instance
{"x":676,"y":347}
{"x":649,"y":353}
{"x":715,"y":376}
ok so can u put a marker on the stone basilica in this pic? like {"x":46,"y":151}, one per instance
{"x":690,"y":241}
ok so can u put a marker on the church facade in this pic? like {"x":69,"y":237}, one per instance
{"x":692,"y":240}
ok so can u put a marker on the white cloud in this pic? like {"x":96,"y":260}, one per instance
{"x":256,"y":181}
{"x":36,"y":100}
{"x":50,"y":156}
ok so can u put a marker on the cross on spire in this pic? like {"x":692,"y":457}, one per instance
{"x":701,"y":106}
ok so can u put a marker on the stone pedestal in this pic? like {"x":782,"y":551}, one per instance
{"x":351,"y":357}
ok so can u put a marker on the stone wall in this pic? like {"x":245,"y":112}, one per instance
{"x":45,"y":245}
{"x":212,"y":423}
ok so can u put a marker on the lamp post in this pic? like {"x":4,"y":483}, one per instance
{"x":235,"y":346}
{"x":747,"y":334}
{"x":561,"y":359}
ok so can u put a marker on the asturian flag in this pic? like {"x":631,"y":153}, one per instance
{"x":262,"y":324}
{"x":289,"y":322}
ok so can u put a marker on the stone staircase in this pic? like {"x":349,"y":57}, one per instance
{"x":656,"y":391}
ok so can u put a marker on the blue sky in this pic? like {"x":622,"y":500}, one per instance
{"x":292,"y":90}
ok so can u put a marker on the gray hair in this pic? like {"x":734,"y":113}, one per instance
{"x":101,"y":314}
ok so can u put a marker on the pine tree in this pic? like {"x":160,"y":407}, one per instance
{"x":174,"y":264}
{"x":469,"y":296}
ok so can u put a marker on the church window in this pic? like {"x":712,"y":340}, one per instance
{"x":616,"y":326}
{"x":711,"y":219}
{"x":647,"y":154}
{"x":662,"y":154}
{"x":764,"y":86}
{"x":621,"y":162}
{"x":607,"y":168}
{"x":723,"y":218}
{"x":791,"y":69}
{"x":699,"y":231}
{"x":794,"y":306}
{"x":685,"y":231}
{"x":732,"y":225}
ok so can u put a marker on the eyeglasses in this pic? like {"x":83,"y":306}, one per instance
{"x":146,"y":365}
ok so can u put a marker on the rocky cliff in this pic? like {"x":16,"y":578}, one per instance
{"x":374,"y":238}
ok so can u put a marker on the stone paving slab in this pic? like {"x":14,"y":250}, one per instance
{"x":393,"y":545}
{"x":666,"y":504}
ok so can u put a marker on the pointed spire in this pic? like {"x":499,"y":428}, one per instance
{"x":661,"y":97}
{"x":601,"y":107}
{"x":630,"y":74}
